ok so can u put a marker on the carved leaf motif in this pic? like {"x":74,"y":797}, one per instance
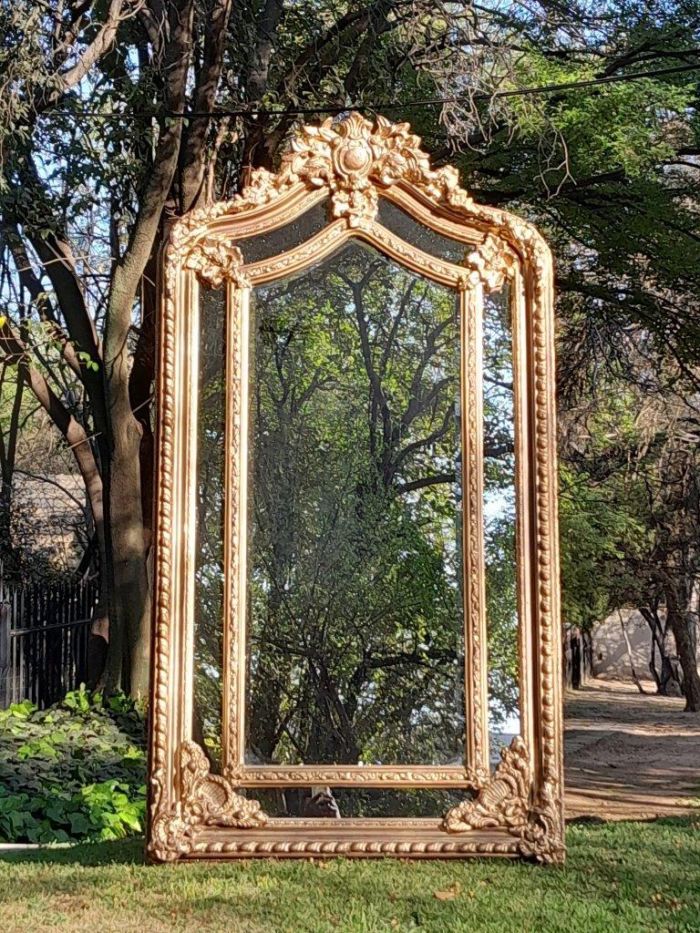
{"x":543,"y":836}
{"x":206,"y":800}
{"x":210,"y":799}
{"x":169,"y":836}
{"x":215,"y":261}
{"x":503,"y":801}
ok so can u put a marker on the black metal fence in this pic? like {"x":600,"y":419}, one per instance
{"x":44,"y":631}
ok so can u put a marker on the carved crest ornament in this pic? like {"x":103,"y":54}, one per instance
{"x":350,"y":164}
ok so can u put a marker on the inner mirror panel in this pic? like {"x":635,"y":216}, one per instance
{"x":209,"y":554}
{"x":257,"y":248}
{"x":417,"y":234}
{"x":500,"y":554}
{"x":355,"y":645}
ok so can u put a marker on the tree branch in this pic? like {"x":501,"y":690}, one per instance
{"x":193,"y":158}
{"x":436,"y":480}
{"x":71,"y":429}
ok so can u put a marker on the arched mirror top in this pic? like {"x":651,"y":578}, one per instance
{"x":352,"y":177}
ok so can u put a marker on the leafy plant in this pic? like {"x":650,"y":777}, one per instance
{"x":75,"y":771}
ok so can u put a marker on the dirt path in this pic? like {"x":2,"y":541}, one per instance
{"x":629,"y":756}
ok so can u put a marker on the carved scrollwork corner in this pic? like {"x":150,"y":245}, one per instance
{"x":503,"y":801}
{"x":205,"y":800}
{"x":169,"y":836}
{"x":543,"y":836}
{"x":212,"y":800}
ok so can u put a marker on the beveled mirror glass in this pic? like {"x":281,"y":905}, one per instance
{"x":502,"y":569}
{"x":357,"y":642}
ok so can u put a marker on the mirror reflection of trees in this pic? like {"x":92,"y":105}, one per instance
{"x":499,"y":520}
{"x":209,"y":557}
{"x":355,"y":628}
{"x":355,"y":621}
{"x":323,"y":802}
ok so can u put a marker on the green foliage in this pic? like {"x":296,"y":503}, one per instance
{"x":75,"y":771}
{"x":620,"y":126}
{"x":598,"y":532}
{"x":628,"y":500}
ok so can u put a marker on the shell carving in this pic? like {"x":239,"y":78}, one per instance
{"x":353,"y":155}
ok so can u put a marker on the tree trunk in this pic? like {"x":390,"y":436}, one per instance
{"x":8,"y":450}
{"x":575,"y":643}
{"x":630,"y":653}
{"x":680,"y":622}
{"x":667,"y":683}
{"x":128,"y":660}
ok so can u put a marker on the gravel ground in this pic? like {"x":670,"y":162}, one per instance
{"x":628,"y":755}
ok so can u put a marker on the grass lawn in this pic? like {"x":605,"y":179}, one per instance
{"x":624,"y":876}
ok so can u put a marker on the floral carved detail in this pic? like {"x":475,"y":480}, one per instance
{"x":216,"y":261}
{"x":211,"y":800}
{"x":503,"y":801}
{"x":491,"y":263}
{"x":353,"y":156}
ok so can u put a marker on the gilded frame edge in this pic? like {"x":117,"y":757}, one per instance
{"x":512,"y":815}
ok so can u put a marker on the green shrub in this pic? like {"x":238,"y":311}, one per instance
{"x":75,"y":771}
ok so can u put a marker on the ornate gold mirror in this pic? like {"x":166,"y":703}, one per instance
{"x":357,"y":636}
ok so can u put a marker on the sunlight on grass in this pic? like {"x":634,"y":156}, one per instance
{"x":618,"y":877}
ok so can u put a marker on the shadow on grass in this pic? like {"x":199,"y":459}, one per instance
{"x":88,"y":854}
{"x":132,"y":851}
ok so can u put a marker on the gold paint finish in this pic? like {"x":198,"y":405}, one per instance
{"x":517,"y":809}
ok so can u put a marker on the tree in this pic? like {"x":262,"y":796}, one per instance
{"x":67,"y":55}
{"x":96,"y":163}
{"x":630,"y":519}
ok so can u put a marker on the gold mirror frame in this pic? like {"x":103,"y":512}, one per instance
{"x":517,"y":809}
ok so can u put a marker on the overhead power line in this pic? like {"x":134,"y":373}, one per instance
{"x":384,"y":106}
